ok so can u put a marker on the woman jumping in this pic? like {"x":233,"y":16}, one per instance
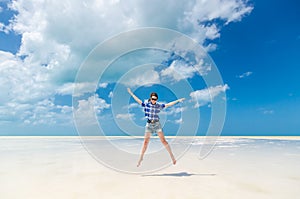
{"x":151,"y":109}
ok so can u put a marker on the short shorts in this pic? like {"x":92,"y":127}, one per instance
{"x":153,"y":127}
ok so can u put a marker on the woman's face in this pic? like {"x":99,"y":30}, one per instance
{"x":153,"y":99}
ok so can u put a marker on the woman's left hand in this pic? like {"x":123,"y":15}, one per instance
{"x":181,"y":99}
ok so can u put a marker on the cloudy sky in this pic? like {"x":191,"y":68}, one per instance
{"x":254,"y":44}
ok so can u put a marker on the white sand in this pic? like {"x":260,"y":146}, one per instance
{"x":31,"y":169}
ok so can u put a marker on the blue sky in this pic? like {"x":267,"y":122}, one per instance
{"x":267,"y":44}
{"x":254,"y":44}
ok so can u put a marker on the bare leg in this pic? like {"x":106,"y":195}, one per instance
{"x":165,"y":143}
{"x":145,"y":145}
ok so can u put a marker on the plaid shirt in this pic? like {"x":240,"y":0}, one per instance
{"x":152,"y":110}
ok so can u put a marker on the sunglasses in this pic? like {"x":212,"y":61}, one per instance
{"x":154,"y":99}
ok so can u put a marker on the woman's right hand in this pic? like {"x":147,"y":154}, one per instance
{"x":129,"y":91}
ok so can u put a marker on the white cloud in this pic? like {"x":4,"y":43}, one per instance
{"x":174,"y":110}
{"x":86,"y":109}
{"x":47,"y":113}
{"x":44,"y":112}
{"x":64,"y":38}
{"x":102,"y":85}
{"x":179,"y":70}
{"x":227,"y":10}
{"x":179,"y":121}
{"x":205,"y":96}
{"x":58,"y":35}
{"x":91,"y":105}
{"x":3,"y":28}
{"x":22,"y":83}
{"x":246,"y":74}
{"x":81,"y":88}
{"x":266,"y":111}
{"x":111,"y":94}
{"x":212,"y":32}
{"x":132,"y":105}
{"x":146,"y":78}
{"x":203,"y":11}
{"x":210,"y":47}
{"x":125,"y":116}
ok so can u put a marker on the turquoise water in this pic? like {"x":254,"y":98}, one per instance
{"x":50,"y":144}
{"x":39,"y":146}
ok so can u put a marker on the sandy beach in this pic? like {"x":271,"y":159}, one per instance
{"x":238,"y":167}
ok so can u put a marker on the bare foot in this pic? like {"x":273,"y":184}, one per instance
{"x":139,"y":162}
{"x":174,"y":161}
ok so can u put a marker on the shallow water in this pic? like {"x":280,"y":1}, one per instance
{"x":39,"y":145}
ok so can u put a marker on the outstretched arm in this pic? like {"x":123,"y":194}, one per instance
{"x":134,"y":97}
{"x":174,"y":102}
